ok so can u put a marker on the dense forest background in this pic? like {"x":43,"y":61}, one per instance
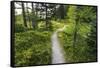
{"x":36,"y":22}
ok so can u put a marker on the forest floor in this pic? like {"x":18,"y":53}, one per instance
{"x":57,"y":51}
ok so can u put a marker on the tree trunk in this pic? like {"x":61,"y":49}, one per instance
{"x":46,"y":18}
{"x":33,"y":21}
{"x":24,"y":16}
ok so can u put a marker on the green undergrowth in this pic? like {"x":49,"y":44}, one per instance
{"x":81,"y":51}
{"x":57,"y":24}
{"x":32,"y":48}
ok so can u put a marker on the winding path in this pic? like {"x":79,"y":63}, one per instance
{"x":57,"y":52}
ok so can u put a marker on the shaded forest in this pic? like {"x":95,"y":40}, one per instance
{"x":34,"y":24}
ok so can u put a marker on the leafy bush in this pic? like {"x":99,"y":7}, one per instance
{"x":32,"y":48}
{"x":80,"y":52}
{"x":56,"y":25}
{"x":19,"y":28}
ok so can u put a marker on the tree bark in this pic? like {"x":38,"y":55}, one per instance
{"x":24,"y":16}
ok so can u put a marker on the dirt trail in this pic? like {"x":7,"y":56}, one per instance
{"x":57,"y":52}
